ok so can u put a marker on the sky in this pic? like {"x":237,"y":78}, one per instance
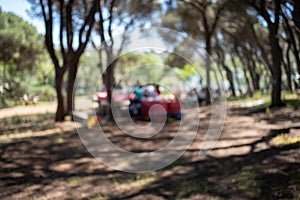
{"x":19,"y":7}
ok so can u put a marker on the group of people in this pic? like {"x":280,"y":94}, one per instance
{"x":139,"y":93}
{"x":147,"y":91}
{"x":27,"y":100}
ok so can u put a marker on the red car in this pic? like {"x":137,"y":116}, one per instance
{"x":147,"y":106}
{"x":118,"y":96}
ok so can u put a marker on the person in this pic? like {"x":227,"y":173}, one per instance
{"x":135,"y":106}
{"x":138,"y":91}
{"x":199,"y":95}
{"x":26,"y":99}
{"x":149,"y":91}
{"x":157,"y":90}
{"x":35,"y":100}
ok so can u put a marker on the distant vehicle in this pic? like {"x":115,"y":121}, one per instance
{"x":118,"y":95}
{"x":171,"y":107}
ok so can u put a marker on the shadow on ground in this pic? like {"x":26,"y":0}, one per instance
{"x":59,"y":167}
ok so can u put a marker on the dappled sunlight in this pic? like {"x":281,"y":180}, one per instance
{"x":168,"y":99}
{"x":243,"y":162}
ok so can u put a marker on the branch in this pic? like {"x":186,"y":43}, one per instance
{"x":261,"y":47}
{"x":69,"y":24}
{"x":95,"y":46}
{"x":264,"y":13}
{"x":260,"y":9}
{"x":199,"y":7}
{"x":277,"y":14}
{"x":217,"y":17}
{"x":127,"y":26}
{"x":61,"y":9}
{"x":88,"y":22}
{"x":49,"y":32}
{"x":101,"y":28}
{"x":110,"y":22}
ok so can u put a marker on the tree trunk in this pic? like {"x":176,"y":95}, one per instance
{"x":249,"y":85}
{"x":253,"y":74}
{"x":250,"y":89}
{"x":287,"y":68}
{"x":267,"y":84}
{"x":291,"y":39}
{"x":296,"y":19}
{"x":208,"y":66}
{"x":218,"y":84}
{"x":230,"y":79}
{"x":109,"y":82}
{"x":60,"y":111}
{"x":276,"y":68}
{"x":72,"y":73}
{"x":236,"y":75}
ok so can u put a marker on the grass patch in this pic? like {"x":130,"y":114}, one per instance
{"x":188,"y":187}
{"x":284,"y":139}
{"x":258,"y":101}
{"x":247,"y":180}
{"x":134,"y":178}
{"x":293,"y":102}
{"x":75,"y":181}
{"x":247,"y":98}
{"x":58,"y":140}
{"x":291,"y":99}
{"x":135,"y":182}
{"x":287,"y":98}
{"x":98,"y":197}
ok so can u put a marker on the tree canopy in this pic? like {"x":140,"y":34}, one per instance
{"x":254,"y":44}
{"x":22,"y":53}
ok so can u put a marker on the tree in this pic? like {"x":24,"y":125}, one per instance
{"x":21,"y":53}
{"x":199,"y":19}
{"x":20,"y":43}
{"x":291,"y":26}
{"x":246,"y":38}
{"x":221,"y":61}
{"x":75,"y":22}
{"x":270,"y":12}
{"x":114,"y":14}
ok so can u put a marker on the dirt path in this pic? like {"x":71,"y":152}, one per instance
{"x":244,"y":164}
{"x":81,"y":103}
{"x":40,"y":108}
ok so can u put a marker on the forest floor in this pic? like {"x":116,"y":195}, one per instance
{"x":256,"y":157}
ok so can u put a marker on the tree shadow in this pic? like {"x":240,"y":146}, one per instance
{"x":249,"y":176}
{"x":272,"y":173}
{"x":36,"y":164}
{"x":60,"y":165}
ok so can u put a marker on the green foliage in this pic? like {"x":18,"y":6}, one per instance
{"x":21,"y":45}
{"x":187,"y":71}
{"x":174,"y":60}
{"x":137,"y":67}
{"x":21,"y":60}
{"x":44,"y":92}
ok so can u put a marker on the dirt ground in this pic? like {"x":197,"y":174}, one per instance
{"x":247,"y":162}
